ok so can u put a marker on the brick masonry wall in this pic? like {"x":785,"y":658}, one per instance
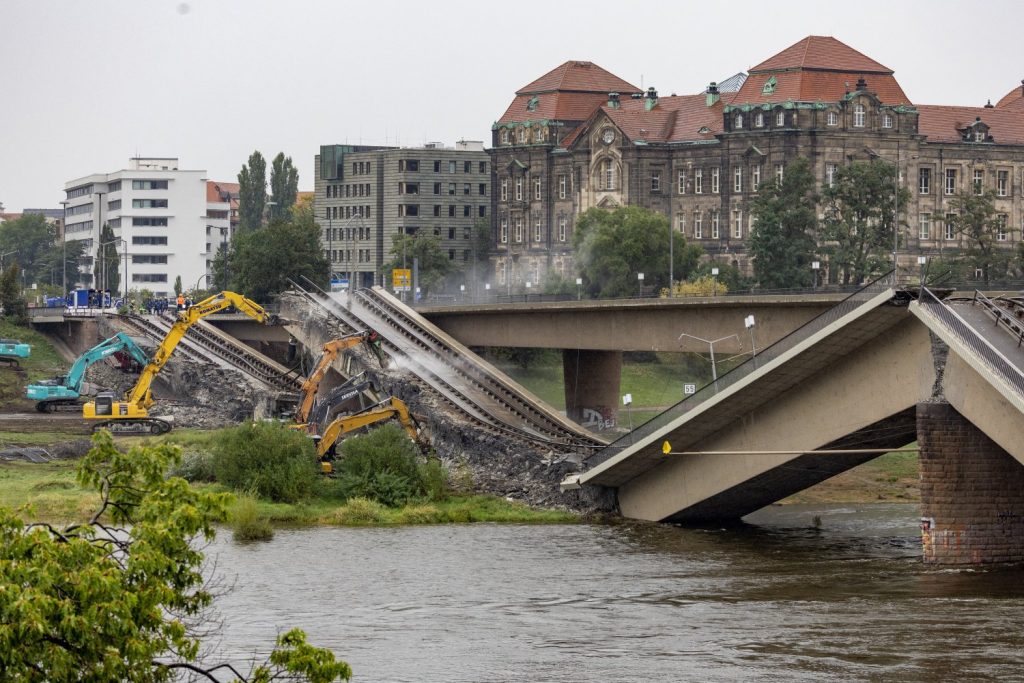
{"x":972,"y":492}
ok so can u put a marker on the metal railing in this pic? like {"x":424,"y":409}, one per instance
{"x":1002,"y":316}
{"x":973,"y":340}
{"x":742,"y":371}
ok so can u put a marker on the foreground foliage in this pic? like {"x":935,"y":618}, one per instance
{"x":109,"y":599}
{"x":384,"y":466}
{"x":266,"y":460}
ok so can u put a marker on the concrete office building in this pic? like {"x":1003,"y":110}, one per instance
{"x":167,"y":222}
{"x":365,"y":196}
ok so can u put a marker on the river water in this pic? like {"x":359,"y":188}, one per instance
{"x":775,"y":599}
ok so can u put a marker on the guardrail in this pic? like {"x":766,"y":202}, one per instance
{"x":973,"y":340}
{"x":1002,"y":317}
{"x":742,"y":371}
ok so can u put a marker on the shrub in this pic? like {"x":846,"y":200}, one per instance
{"x":382,"y":466}
{"x":434,"y":479}
{"x":267,"y":460}
{"x":195,"y":466}
{"x":246,"y":521}
{"x":360,"y":512}
{"x":421,"y":514}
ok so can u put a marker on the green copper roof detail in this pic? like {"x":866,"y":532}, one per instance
{"x":769,"y":86}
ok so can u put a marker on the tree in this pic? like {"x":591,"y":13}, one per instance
{"x":109,"y":598}
{"x":858,"y":228}
{"x":612,"y":247}
{"x":177,"y":285}
{"x":284,"y":185}
{"x":52,"y":258}
{"x":783,"y":241}
{"x":107,"y":261}
{"x":433,"y":263}
{"x":975,"y":218}
{"x":32,"y":238}
{"x":12,"y":300}
{"x":252,"y":192}
{"x":263,"y":260}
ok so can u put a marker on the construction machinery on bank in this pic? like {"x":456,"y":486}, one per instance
{"x":340,"y":427}
{"x":11,"y":350}
{"x":130,"y":415}
{"x":64,"y":392}
{"x":331,"y":351}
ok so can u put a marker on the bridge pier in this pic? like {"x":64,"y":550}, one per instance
{"x":972,"y":492}
{"x":592,"y":381}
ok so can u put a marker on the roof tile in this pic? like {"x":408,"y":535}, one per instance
{"x":943,"y":123}
{"x":821,"y":52}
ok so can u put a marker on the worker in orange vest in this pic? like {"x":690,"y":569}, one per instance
{"x":181,"y":302}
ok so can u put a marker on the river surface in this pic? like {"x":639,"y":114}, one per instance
{"x":773,"y":600}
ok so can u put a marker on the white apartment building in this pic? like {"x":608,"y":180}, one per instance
{"x":163,"y":224}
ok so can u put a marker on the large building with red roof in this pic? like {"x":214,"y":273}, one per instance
{"x":581,"y":137}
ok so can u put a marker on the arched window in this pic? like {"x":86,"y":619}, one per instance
{"x":739,"y":121}
{"x":608,"y":174}
{"x":780,"y":118}
{"x":858,"y":116}
{"x":759,"y":120}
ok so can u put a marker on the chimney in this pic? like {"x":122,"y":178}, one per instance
{"x":652,"y":99}
{"x":862,"y":84}
{"x":712,"y":94}
{"x":613,"y":100}
{"x":989,"y":105}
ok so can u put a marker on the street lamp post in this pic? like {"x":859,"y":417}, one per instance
{"x":711,"y":345}
{"x":671,"y":260}
{"x":64,"y":246}
{"x":204,"y":275}
{"x":748,"y":322}
{"x":640,"y":281}
{"x":921,"y":263}
{"x":579,"y":289}
{"x":103,"y":255}
{"x":270,"y":211}
{"x":815,"y":265}
{"x":714,"y":281}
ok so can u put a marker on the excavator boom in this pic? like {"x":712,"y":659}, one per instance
{"x":331,"y":351}
{"x":386,"y":410}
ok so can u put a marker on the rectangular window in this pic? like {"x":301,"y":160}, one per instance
{"x":1002,"y":183}
{"x":482,"y":189}
{"x":519,"y":189}
{"x":483,"y":167}
{"x":466,"y":165}
{"x":1001,"y":223}
{"x":536,"y":189}
{"x":698,"y":181}
{"x":780,"y":171}
{"x":451,"y":233}
{"x":114,"y":187}
{"x":561,"y":229}
{"x":504,"y":189}
{"x":503,"y":232}
{"x":149,"y":184}
{"x":113,"y":206}
{"x":149,"y":203}
{"x":737,"y":179}
{"x":950,"y":226}
{"x":412,"y":165}
{"x":681,"y":182}
{"x":481,"y":210}
{"x":144,"y":240}
{"x":467,"y":188}
{"x":451,"y":211}
{"x":519,"y":229}
{"x":562,"y":184}
{"x":714,"y":224}
{"x":698,"y":225}
{"x":924,"y":181}
{"x":924,"y":226}
{"x":755,"y":178}
{"x":149,"y":277}
{"x":451,"y":189}
{"x":681,"y":223}
{"x":437,"y":209}
{"x":951,"y":181}
{"x":437,"y":167}
{"x":466,"y":209}
{"x":887,"y":121}
{"x":830,"y":175}
{"x":437,"y":188}
{"x":536,"y":229}
{"x":149,"y":221}
{"x":656,"y":181}
{"x":737,"y":224}
{"x":149,"y":258}
{"x":979,"y":181}
{"x":714,"y":181}
{"x":451,"y":167}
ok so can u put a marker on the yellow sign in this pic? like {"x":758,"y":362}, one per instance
{"x":401,"y":279}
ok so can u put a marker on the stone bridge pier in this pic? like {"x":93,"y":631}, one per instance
{"x":972,"y":492}
{"x":592,"y":387}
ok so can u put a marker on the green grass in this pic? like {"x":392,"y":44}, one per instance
{"x":35,"y":438}
{"x":44,"y":361}
{"x":50,"y":488}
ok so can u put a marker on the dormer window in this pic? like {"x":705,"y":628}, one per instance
{"x":759,"y":120}
{"x":504,"y":136}
{"x":858,"y":116}
{"x":780,"y":118}
{"x":979,"y":136}
{"x":832,"y":119}
{"x":532,"y":103}
{"x":739,"y":121}
{"x":704,"y":130}
{"x":522,"y":135}
{"x":887,"y":121}
{"x":538,"y":135}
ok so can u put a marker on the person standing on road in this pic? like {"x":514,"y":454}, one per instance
{"x":181,"y":302}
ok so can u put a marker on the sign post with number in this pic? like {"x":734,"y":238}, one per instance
{"x":689,"y":389}
{"x":401,"y":279}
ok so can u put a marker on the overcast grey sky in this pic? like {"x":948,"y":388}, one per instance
{"x":86,"y":85}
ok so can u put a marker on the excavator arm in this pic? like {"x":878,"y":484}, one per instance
{"x":331,"y":351}
{"x":386,"y":410}
{"x":69,"y":386}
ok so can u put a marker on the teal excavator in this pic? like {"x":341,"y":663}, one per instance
{"x":62,"y":393}
{"x":11,"y":350}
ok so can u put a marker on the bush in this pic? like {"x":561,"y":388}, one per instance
{"x":246,"y":521}
{"x":267,"y":460}
{"x":434,"y":479}
{"x":381,"y":466}
{"x":360,"y":512}
{"x":194,"y":467}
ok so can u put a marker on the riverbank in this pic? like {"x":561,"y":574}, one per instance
{"x":50,"y":488}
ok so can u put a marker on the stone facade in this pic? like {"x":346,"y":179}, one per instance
{"x":972,"y":492}
{"x":364,"y":196}
{"x":699,"y":159}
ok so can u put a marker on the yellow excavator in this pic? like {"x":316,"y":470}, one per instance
{"x":341,"y":426}
{"x":131,"y":415}
{"x":332,"y":350}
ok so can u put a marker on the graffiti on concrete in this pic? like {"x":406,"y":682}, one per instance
{"x":598,"y":418}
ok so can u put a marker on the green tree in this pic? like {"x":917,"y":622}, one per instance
{"x":858,"y":229}
{"x":976,"y":219}
{"x":108,"y":599}
{"x":252,"y":192}
{"x":32,"y":238}
{"x":261,"y":261}
{"x":51,"y":259}
{"x":177,"y":285}
{"x":783,"y":241}
{"x":433,"y":263}
{"x":284,"y":185}
{"x":12,"y":298}
{"x":612,"y":247}
{"x":109,"y":255}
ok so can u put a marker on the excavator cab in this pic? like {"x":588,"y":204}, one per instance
{"x":105,"y":403}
